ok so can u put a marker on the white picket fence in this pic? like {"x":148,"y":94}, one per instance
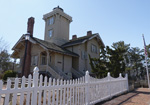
{"x":83,"y":91}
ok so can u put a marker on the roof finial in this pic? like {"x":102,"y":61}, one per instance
{"x":58,"y":8}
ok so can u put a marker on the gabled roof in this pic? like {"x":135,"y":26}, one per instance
{"x":83,"y":39}
{"x":61,"y":49}
{"x":54,"y":47}
{"x":47,"y":45}
{"x":21,"y":38}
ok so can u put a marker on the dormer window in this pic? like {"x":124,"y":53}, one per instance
{"x":51,"y":20}
{"x":50,"y":33}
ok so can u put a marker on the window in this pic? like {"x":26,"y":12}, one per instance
{"x":50,"y":33}
{"x":51,"y":20}
{"x":94,"y":48}
{"x":34,"y":60}
{"x":83,"y":54}
{"x":43,"y":62}
{"x":50,"y":58}
{"x":21,"y":62}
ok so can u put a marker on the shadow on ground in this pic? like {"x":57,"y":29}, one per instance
{"x":124,"y":98}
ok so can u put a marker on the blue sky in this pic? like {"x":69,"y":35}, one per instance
{"x":114,"y":20}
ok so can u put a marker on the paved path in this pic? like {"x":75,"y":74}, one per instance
{"x":140,"y":96}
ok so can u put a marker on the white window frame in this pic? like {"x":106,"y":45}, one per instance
{"x":50,"y":33}
{"x":43,"y":63}
{"x":83,"y":54}
{"x":94,"y":48}
{"x":51,"y":20}
{"x":34,"y":60}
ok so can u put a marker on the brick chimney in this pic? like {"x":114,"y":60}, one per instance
{"x":89,"y":33}
{"x":74,"y":37}
{"x":30,"y":25}
{"x":27,"y":52}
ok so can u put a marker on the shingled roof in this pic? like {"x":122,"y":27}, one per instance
{"x":82,"y":40}
{"x":61,"y":49}
{"x":54,"y":47}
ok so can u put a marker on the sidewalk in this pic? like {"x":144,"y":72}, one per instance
{"x":141,"y":96}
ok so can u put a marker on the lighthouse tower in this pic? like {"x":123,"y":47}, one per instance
{"x":57,"y":24}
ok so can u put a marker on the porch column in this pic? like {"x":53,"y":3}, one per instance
{"x":47,"y":61}
{"x":39,"y":59}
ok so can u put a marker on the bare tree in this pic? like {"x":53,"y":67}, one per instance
{"x":3,"y":44}
{"x":5,"y":62}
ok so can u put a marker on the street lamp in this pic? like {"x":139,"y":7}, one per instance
{"x":27,"y":37}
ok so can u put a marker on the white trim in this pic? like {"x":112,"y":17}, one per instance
{"x":96,"y":35}
{"x":55,"y":12}
{"x":32,"y":41}
{"x":18,"y":42}
{"x":21,"y":39}
{"x":92,"y":37}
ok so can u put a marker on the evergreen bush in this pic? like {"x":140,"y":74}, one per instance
{"x":9,"y":73}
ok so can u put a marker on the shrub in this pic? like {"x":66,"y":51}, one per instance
{"x":9,"y":73}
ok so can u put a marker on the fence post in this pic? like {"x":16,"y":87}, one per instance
{"x":127,"y":84}
{"x":109,"y":84}
{"x":120,"y":77}
{"x":35,"y":85}
{"x":87,"y":94}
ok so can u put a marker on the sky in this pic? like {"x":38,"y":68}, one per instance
{"x":114,"y":20}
